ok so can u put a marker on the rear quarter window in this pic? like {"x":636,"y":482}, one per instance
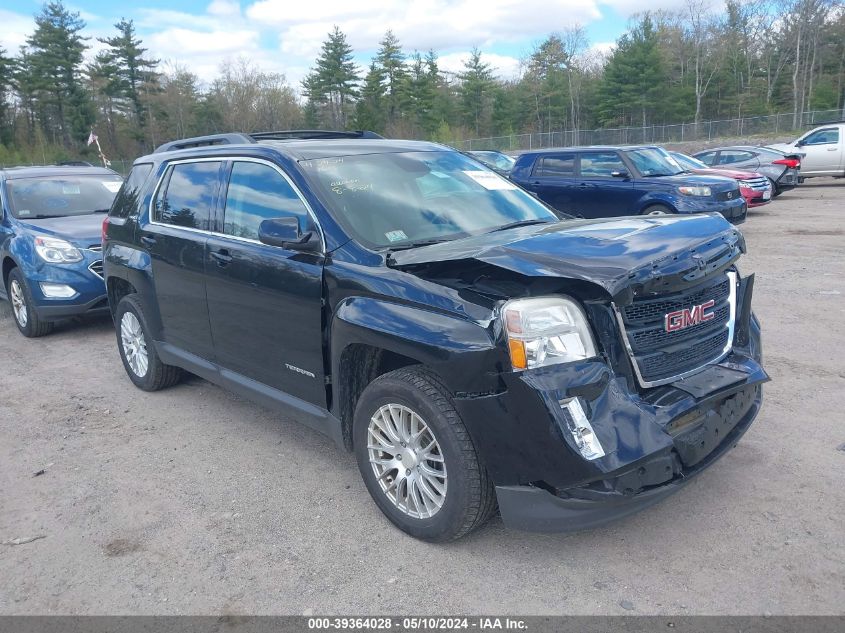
{"x":129,"y":197}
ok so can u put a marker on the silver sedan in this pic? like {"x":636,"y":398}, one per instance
{"x":783,"y":170}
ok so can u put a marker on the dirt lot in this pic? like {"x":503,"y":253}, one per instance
{"x":195,"y":501}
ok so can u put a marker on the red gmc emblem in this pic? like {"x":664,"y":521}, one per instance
{"x":680,"y":319}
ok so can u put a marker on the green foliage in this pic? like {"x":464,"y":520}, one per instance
{"x":54,"y":74}
{"x":634,"y":82}
{"x":757,"y":57}
{"x":332,"y":84}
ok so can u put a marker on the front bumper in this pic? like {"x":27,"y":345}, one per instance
{"x":90,"y":297}
{"x":734,"y":211}
{"x":538,"y":510}
{"x":654,"y":440}
{"x":755,"y":198}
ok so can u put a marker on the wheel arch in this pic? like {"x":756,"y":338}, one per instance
{"x":371,"y":337}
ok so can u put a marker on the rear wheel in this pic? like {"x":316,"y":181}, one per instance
{"x":657,"y":209}
{"x":26,"y":318}
{"x":417,"y":459}
{"x":775,"y":189}
{"x":137,"y":350}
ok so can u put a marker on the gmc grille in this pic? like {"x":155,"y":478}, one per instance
{"x":659,"y":356}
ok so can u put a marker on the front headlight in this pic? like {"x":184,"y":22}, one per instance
{"x":546,"y":331}
{"x":56,"y":251}
{"x":695,"y":191}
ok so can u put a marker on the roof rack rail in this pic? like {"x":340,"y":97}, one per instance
{"x":202,"y":141}
{"x":281,"y":135}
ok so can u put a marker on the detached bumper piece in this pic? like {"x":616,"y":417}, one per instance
{"x":700,"y":437}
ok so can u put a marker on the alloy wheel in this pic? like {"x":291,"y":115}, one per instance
{"x":407,"y":461}
{"x":18,"y":303}
{"x":134,"y":344}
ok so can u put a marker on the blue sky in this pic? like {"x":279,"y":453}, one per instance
{"x":285,"y":35}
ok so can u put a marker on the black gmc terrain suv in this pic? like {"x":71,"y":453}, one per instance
{"x":470,"y":346}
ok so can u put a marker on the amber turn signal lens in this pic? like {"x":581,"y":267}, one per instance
{"x":517,"y":349}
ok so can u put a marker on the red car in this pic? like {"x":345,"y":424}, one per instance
{"x":755,"y":188}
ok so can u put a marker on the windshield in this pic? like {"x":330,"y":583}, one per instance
{"x":61,"y":196}
{"x":688,"y":162}
{"x":399,"y":199}
{"x":654,"y":162}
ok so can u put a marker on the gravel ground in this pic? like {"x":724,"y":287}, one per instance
{"x":194,"y":501}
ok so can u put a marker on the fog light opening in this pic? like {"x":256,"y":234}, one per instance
{"x":581,"y":430}
{"x":57,"y":291}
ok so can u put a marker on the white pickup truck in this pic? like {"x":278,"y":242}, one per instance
{"x":823,"y":150}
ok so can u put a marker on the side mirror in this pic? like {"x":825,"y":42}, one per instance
{"x":800,"y":142}
{"x":620,"y":174}
{"x":285,"y":233}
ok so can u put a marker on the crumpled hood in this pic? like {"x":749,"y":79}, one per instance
{"x":626,"y":256}
{"x":83,"y":230}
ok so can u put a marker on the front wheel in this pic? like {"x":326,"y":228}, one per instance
{"x":137,"y":350}
{"x":26,"y":318}
{"x":417,"y":459}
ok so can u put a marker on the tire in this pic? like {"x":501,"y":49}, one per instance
{"x":468,"y":498}
{"x":775,"y":189}
{"x":657,"y":209}
{"x":23,"y":312}
{"x":136,"y":348}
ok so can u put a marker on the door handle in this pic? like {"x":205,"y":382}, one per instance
{"x":147,"y":240}
{"x":832,"y":149}
{"x":223,"y":257}
{"x":585,"y":185}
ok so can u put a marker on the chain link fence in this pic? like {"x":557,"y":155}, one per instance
{"x":773,"y":125}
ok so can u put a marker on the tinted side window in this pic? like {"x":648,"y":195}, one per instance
{"x":729,"y":156}
{"x":126,"y":202}
{"x":823,"y":137}
{"x":556,"y":166}
{"x":600,"y":164}
{"x":187,"y":199}
{"x":708,"y":158}
{"x":256,"y":193}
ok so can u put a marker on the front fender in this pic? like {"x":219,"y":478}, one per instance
{"x":658,"y":197}
{"x":461,"y":351}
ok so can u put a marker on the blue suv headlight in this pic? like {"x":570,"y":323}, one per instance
{"x":55,"y":251}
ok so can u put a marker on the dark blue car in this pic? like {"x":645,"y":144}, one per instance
{"x":597,"y":182}
{"x":50,"y":242}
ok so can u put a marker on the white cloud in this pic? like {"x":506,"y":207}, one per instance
{"x":628,"y":8}
{"x":422,"y":24}
{"x":503,"y":66}
{"x":14,"y":29}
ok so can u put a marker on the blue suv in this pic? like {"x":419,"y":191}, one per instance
{"x":50,"y":242}
{"x":597,"y":182}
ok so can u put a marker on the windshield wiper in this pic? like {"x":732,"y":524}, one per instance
{"x":101,"y":210}
{"x":417,"y":244}
{"x":513,"y":225}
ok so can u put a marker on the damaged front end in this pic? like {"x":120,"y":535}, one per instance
{"x":674,"y":385}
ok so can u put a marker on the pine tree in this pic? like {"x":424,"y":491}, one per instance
{"x":635,"y":79}
{"x":55,"y":58}
{"x":476,"y":92}
{"x":133,"y":77}
{"x":6,"y":86}
{"x":391,"y":60}
{"x":370,"y":110}
{"x":333,"y":83}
